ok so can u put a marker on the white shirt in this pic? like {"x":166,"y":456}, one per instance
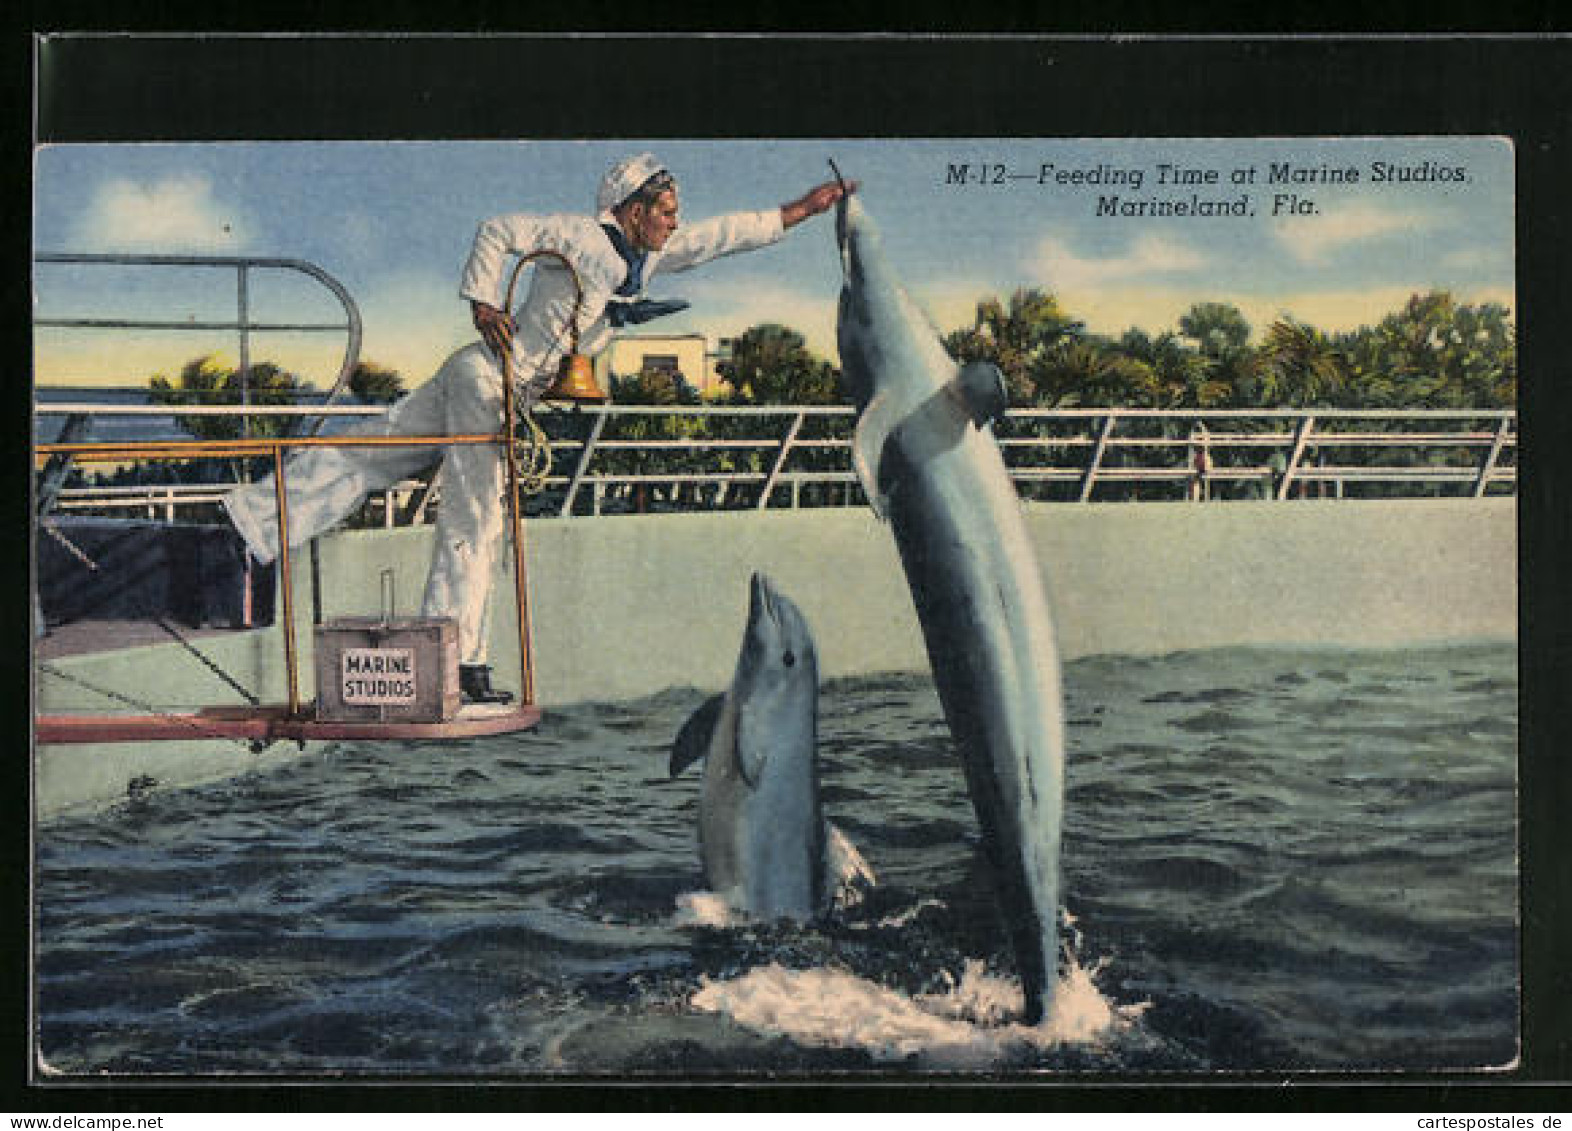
{"x":543,"y":316}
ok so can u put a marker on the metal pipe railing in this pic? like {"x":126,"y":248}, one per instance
{"x":87,"y":408}
{"x":243,"y":324}
{"x":1100,"y":450}
{"x":276,"y":449}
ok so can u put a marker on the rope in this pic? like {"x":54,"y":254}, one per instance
{"x":534,"y":455}
{"x":145,"y":608}
{"x":144,"y":707}
{"x":70,"y":547}
{"x":208,"y":662}
{"x":532,"y":460}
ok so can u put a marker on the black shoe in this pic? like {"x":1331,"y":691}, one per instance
{"x":475,"y":685}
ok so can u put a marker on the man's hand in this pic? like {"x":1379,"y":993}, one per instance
{"x":495,"y":326}
{"x":817,"y":200}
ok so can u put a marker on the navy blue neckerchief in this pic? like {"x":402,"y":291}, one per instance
{"x":627,"y":309}
{"x":634,"y":283}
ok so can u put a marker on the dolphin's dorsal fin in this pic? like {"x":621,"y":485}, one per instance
{"x":981,"y":389}
{"x":693,"y":740}
{"x":874,"y":428}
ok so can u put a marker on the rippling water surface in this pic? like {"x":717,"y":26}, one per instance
{"x":1274,"y":859}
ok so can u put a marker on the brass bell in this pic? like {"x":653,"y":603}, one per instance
{"x":575,"y":381}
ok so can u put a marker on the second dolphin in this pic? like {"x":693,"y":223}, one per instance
{"x":762,"y":837}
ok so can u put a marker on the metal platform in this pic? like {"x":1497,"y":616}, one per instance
{"x":272,"y":724}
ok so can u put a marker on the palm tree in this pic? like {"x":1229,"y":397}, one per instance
{"x":1015,"y":336}
{"x":1183,"y":376}
{"x":1298,"y":365}
{"x":1222,"y":337}
{"x":1438,"y":353}
{"x":375,"y":384}
{"x":1091,"y":372}
{"x":205,"y":381}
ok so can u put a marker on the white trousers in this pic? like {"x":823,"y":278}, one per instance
{"x":322,"y":485}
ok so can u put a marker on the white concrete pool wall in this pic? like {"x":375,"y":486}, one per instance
{"x":627,"y":606}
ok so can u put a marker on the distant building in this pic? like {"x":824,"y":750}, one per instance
{"x":687,"y":354}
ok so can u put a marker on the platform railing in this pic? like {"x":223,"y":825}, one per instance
{"x":243,"y":324}
{"x":274,"y":450}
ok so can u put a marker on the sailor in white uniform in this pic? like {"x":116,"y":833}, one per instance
{"x":634,"y":236}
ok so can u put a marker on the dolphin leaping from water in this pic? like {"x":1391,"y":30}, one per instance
{"x":766,"y":847}
{"x":928,"y":461}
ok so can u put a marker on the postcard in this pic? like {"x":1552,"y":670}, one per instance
{"x":950,"y":607}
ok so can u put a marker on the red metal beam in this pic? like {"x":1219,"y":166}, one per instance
{"x":270,"y":724}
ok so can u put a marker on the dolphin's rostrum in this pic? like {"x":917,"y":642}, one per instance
{"x":927,"y":458}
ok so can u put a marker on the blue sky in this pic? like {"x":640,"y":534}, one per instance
{"x":393,"y":221}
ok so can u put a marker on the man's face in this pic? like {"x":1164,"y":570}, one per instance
{"x":654,"y":223}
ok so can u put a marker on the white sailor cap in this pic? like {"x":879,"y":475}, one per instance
{"x":623,"y":179}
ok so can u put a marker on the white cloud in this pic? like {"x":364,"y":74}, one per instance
{"x":1148,"y":255}
{"x":1477,"y":259}
{"x":176,"y":214}
{"x":724,"y":311}
{"x":1312,"y":239}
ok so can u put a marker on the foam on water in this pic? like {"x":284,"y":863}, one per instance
{"x":706,"y":909}
{"x":967,"y":1025}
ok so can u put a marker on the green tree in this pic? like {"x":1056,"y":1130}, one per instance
{"x":1018,"y":336}
{"x":1217,"y":328}
{"x":1181,"y":377}
{"x":653,"y":386}
{"x":206,"y":380}
{"x":375,"y":384}
{"x":1222,"y":339}
{"x":771,"y":364}
{"x":650,"y":386}
{"x":1091,"y":372}
{"x":1298,"y":366}
{"x":1437,"y":353}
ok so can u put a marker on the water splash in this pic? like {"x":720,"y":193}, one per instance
{"x":852,"y":875}
{"x":966,"y":1025}
{"x":848,"y":873}
{"x":706,"y":909}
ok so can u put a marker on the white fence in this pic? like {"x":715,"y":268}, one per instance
{"x":636,"y":458}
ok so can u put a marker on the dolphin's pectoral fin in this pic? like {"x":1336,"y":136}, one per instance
{"x":980,"y":387}
{"x":693,"y":740}
{"x":755,"y":734}
{"x":874,"y":429}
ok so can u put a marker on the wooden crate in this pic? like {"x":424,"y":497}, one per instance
{"x":400,"y":669}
